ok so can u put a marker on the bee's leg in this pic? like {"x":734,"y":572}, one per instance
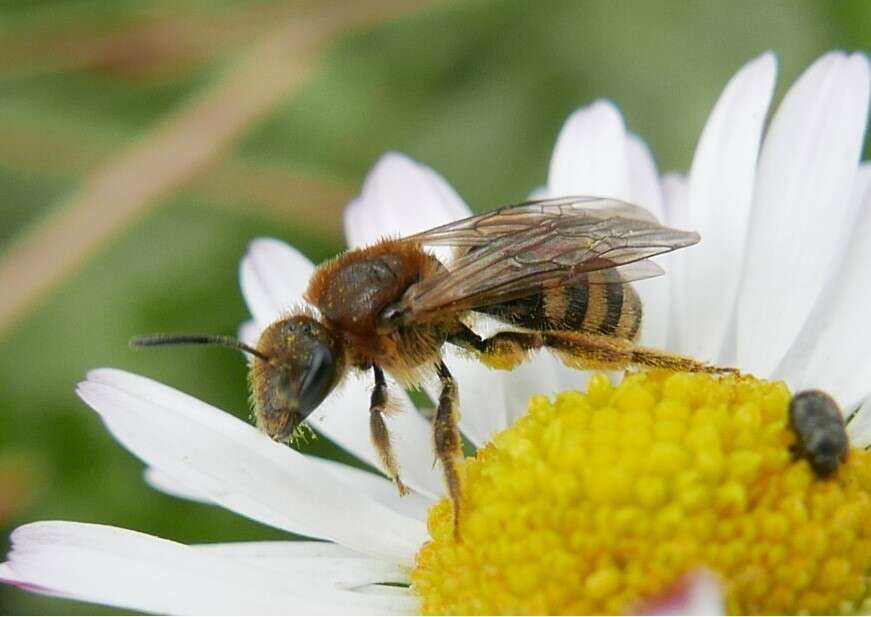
{"x":586,"y":351}
{"x":378,"y":430}
{"x":504,"y":350}
{"x":578,"y":350}
{"x":448,"y":445}
{"x":656,"y":358}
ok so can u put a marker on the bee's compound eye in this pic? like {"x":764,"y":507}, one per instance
{"x":317,"y":380}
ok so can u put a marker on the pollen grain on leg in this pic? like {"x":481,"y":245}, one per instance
{"x":595,"y":501}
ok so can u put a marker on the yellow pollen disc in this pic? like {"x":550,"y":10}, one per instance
{"x":595,"y":502}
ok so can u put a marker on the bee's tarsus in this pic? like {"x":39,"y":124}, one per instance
{"x":403,"y":490}
{"x":446,"y":435}
{"x":378,"y":430}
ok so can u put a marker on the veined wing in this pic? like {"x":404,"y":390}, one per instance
{"x":480,"y":229}
{"x":518,"y":251}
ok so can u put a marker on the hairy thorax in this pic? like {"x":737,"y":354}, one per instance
{"x":352,"y":292}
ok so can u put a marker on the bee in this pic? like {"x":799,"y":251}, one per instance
{"x":555,"y":271}
{"x":821,"y":435}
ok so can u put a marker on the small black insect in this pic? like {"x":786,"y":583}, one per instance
{"x":819,"y":427}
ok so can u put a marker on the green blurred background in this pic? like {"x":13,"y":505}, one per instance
{"x":476,"y":89}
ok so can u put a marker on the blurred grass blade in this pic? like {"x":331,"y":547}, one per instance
{"x":180,"y":147}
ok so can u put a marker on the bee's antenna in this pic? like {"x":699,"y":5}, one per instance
{"x":157,"y":340}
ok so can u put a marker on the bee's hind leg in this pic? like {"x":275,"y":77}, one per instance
{"x":586,"y":351}
{"x":504,"y":350}
{"x":378,"y":430}
{"x":446,"y":435}
{"x":656,"y":358}
{"x":580,"y":350}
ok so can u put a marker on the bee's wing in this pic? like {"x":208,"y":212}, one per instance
{"x":479,"y":230}
{"x":518,"y":251}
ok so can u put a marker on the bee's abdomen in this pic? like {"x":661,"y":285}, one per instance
{"x":528,"y":312}
{"x":612,"y":309}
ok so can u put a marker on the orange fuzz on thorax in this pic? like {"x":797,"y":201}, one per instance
{"x":353,"y":289}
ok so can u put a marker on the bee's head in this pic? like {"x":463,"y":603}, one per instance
{"x":294,"y":367}
{"x":297,"y":365}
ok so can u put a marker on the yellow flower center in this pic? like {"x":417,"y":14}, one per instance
{"x":594,"y":502}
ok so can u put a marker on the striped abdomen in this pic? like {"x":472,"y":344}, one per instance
{"x":593,"y":306}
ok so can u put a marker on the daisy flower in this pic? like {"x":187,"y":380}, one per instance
{"x":665,"y":493}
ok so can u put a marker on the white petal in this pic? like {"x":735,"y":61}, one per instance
{"x":643,"y":177}
{"x":698,"y":593}
{"x":542,"y":374}
{"x":375,"y":486}
{"x":655,"y":297}
{"x":241,"y":469}
{"x":833,"y":351}
{"x":249,"y":332}
{"x":378,"y":488}
{"x":278,"y":550}
{"x":647,"y":192}
{"x":345,"y":571}
{"x":343,"y":417}
{"x":123,"y":568}
{"x":9,"y":577}
{"x":273,"y":277}
{"x":859,"y":426}
{"x":801,"y":211}
{"x":720,"y":194}
{"x":165,"y":483}
{"x":482,"y":396}
{"x":400,"y":197}
{"x":862,"y":184}
{"x":539,"y":192}
{"x":590,"y":156}
{"x":675,"y":191}
{"x":326,"y":562}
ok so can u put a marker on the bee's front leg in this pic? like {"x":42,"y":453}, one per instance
{"x":448,"y":445}
{"x":378,"y":430}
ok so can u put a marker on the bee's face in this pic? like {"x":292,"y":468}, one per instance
{"x":302,"y":368}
